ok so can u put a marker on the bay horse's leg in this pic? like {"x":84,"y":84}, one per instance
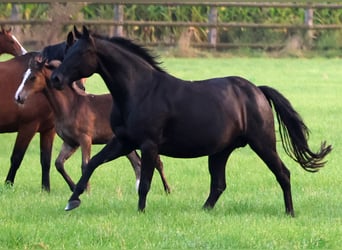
{"x":111,"y":151}
{"x":265,"y":147}
{"x":135,"y":160}
{"x":46,"y":142}
{"x":85,"y":143}
{"x":64,"y":154}
{"x":24,"y":136}
{"x":160,"y":168}
{"x":149,"y":160}
{"x":217,"y":167}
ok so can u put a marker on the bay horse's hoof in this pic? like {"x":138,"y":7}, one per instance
{"x":72,"y":205}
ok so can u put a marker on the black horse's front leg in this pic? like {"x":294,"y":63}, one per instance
{"x":149,"y":160}
{"x":111,"y":151}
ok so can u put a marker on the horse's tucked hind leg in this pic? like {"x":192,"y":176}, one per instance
{"x":217,"y":167}
{"x":64,"y":154}
{"x":266,"y":150}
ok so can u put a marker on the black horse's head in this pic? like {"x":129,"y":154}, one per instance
{"x":80,"y":60}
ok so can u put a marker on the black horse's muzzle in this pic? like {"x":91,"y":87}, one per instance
{"x":57,"y":80}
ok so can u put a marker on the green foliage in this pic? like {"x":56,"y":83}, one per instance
{"x":250,"y":213}
{"x":322,"y":39}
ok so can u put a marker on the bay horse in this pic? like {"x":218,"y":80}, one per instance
{"x":9,"y":43}
{"x":35,"y":116}
{"x":80,"y":119}
{"x":161,"y":114}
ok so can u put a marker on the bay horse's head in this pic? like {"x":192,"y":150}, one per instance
{"x":35,"y":78}
{"x":80,"y":60}
{"x":9,"y":44}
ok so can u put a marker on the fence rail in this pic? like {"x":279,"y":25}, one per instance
{"x":306,"y":26}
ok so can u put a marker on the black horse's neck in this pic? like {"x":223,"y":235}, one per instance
{"x":122,"y":70}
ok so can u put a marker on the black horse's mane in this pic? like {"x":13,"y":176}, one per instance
{"x":134,"y":48}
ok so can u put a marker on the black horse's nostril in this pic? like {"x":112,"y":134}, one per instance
{"x":56,"y":81}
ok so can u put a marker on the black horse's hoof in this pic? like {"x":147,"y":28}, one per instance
{"x":72,"y":205}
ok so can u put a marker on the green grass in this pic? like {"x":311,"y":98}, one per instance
{"x":249,"y":214}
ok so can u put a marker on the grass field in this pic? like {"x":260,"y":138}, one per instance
{"x":249,"y":214}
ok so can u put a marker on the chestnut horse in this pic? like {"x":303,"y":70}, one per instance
{"x":35,"y":116}
{"x":80,"y":119}
{"x":9,"y":43}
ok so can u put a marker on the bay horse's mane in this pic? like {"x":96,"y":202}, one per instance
{"x":134,"y":48}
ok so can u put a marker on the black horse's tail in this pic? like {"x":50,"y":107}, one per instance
{"x":294,"y":133}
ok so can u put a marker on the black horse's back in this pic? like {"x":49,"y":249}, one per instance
{"x":54,"y":52}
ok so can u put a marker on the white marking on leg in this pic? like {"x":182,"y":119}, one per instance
{"x":23,"y":50}
{"x":21,"y":86}
{"x":137,"y":185}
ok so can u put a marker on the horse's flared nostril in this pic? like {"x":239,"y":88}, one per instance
{"x":56,"y":81}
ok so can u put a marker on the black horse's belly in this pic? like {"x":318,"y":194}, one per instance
{"x":198,"y":139}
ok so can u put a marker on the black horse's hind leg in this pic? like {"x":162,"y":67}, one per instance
{"x":267,"y":152}
{"x":149,"y":159}
{"x":217,"y":167}
{"x":111,"y":151}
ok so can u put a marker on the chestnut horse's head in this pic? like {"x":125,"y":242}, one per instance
{"x":9,"y":44}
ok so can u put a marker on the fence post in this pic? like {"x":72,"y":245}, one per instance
{"x":309,"y":15}
{"x":15,"y":15}
{"x":118,"y":16}
{"x":212,"y":34}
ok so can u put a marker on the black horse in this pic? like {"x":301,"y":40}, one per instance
{"x":57,"y":51}
{"x":160,"y":114}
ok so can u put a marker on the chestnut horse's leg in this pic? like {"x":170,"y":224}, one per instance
{"x":111,"y":151}
{"x":24,"y":136}
{"x":64,"y":154}
{"x":217,"y":167}
{"x":46,"y":141}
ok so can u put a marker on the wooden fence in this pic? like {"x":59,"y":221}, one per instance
{"x":213,"y":25}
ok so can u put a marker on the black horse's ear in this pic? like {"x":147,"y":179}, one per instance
{"x":77,"y":33}
{"x":70,"y":39}
{"x":85,"y":31}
